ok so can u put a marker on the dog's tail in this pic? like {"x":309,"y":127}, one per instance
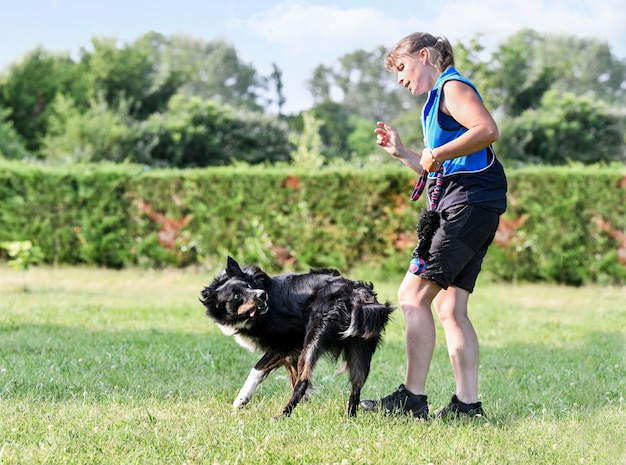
{"x":368,"y":320}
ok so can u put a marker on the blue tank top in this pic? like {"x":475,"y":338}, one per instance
{"x":474,"y":179}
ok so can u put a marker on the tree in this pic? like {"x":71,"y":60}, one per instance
{"x":100,"y":133}
{"x":468,"y":60}
{"x":520,"y":79}
{"x":308,"y":145}
{"x":528,"y":64}
{"x":11,"y":144}
{"x":277,"y":79}
{"x":334,"y":129}
{"x":209,"y":70}
{"x":362,"y":141}
{"x":366,"y":85}
{"x":586,"y":66}
{"x":362,"y":85}
{"x":409,"y":127}
{"x":564,"y":128}
{"x":196,"y":133}
{"x":120,"y":73}
{"x":29,"y":87}
{"x":531,"y":81}
{"x":320,"y":83}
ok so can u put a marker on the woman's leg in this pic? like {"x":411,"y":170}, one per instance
{"x":451,"y":306}
{"x":415,"y":296}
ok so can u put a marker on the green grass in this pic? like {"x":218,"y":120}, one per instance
{"x":105,"y":367}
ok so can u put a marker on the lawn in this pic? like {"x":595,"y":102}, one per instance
{"x":101,"y":367}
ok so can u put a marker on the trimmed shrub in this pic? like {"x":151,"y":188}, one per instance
{"x":564,"y":225}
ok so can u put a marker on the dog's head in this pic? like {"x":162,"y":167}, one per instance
{"x":234,"y":298}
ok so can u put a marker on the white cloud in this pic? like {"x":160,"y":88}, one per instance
{"x":300,"y":35}
{"x":308,"y":28}
{"x":496,"y":20}
{"x":303,"y":28}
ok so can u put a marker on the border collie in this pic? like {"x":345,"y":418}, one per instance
{"x":294,"y":319}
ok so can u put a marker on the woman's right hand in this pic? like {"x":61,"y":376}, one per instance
{"x":388,"y":138}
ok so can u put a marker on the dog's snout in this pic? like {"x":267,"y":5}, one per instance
{"x":259,"y":294}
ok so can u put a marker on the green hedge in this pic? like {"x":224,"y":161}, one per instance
{"x":564,"y":225}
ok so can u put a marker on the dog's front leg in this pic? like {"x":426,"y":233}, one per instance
{"x":269,"y":362}
{"x":255,"y":377}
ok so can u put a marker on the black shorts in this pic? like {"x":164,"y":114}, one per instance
{"x":460,"y":245}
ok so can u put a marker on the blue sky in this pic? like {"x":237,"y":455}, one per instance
{"x":298,"y":35}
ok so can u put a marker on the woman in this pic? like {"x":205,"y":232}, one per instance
{"x":467,"y":187}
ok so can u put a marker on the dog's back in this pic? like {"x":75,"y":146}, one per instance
{"x":289,"y":296}
{"x":347,"y":308}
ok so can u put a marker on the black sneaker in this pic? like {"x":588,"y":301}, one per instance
{"x":401,"y":401}
{"x":458,"y":409}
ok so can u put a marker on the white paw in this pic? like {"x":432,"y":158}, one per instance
{"x":240,"y":402}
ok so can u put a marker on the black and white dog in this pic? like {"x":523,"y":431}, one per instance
{"x":294,"y":319}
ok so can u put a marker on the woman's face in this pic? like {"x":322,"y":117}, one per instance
{"x":413,"y":72}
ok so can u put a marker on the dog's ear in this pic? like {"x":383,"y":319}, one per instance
{"x":233,"y":269}
{"x":260,"y":279}
{"x":209,"y":299}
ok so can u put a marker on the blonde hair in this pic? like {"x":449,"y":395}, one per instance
{"x":439,"y":48}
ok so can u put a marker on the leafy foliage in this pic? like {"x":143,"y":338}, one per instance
{"x":364,"y":87}
{"x":308,"y":151}
{"x":130,"y":89}
{"x":22,"y":254}
{"x":99,"y":133}
{"x":208,"y":70}
{"x":529,"y":64}
{"x":30,"y":86}
{"x":11,"y":144}
{"x":198,"y":133}
{"x":563,"y":225}
{"x":120,"y":74}
{"x":563,"y":129}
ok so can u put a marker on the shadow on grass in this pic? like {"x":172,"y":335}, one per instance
{"x":56,"y":363}
{"x":522,"y":380}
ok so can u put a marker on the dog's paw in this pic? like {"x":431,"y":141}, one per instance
{"x":240,"y":402}
{"x":281,"y":415}
{"x":309,"y":393}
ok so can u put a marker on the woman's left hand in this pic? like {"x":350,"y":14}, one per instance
{"x":427,"y":161}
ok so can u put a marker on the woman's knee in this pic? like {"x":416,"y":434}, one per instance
{"x":416,"y":294}
{"x":451,"y":313}
{"x":444,"y":310}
